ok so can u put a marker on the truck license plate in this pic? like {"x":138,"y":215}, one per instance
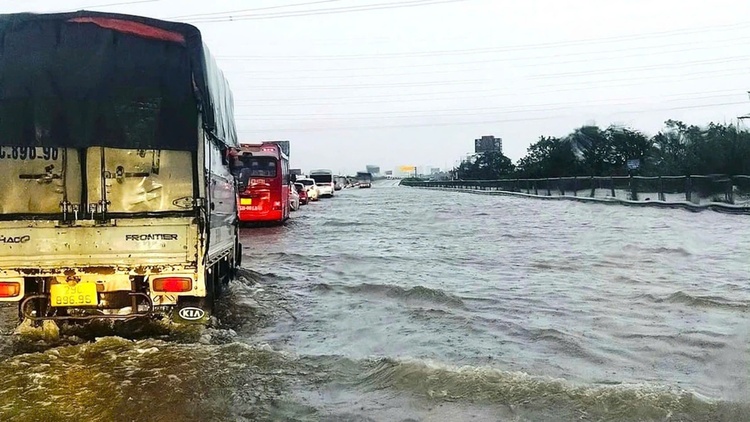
{"x":81,"y":294}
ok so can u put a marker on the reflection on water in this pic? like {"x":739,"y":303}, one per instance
{"x":395,"y":304}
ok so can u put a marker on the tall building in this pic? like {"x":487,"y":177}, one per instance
{"x":488,"y":143}
{"x":374,"y":170}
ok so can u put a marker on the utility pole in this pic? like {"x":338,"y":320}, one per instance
{"x":741,"y":118}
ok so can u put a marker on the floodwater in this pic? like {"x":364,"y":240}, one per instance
{"x":400,"y":304}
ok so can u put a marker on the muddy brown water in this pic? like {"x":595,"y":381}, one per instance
{"x":398,"y":304}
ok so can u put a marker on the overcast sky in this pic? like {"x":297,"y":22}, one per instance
{"x":351,"y":83}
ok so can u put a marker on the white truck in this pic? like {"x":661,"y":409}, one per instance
{"x":116,"y":200}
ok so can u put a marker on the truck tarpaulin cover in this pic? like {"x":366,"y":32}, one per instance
{"x":99,"y":79}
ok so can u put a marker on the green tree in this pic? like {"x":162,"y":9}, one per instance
{"x":549,"y":157}
{"x":594,"y":148}
{"x":670,"y":151}
{"x":627,"y":144}
{"x":487,"y":166}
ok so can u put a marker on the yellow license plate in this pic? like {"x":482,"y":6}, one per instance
{"x":246,"y":201}
{"x":81,"y":294}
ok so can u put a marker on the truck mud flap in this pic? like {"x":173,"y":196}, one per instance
{"x":192,"y":310}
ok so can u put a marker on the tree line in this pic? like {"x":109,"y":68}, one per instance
{"x":679,"y":149}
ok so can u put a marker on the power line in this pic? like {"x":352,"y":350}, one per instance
{"x":435,"y":113}
{"x":366,"y":86}
{"x":641,"y":68}
{"x":433,"y":40}
{"x":339,"y":77}
{"x":452,"y":95}
{"x":329,"y":11}
{"x":693,"y":47}
{"x":123,"y":3}
{"x":385,"y":85}
{"x":257,"y":9}
{"x":432,"y":65}
{"x":509,"y":109}
{"x":519,"y":47}
{"x":533,"y":77}
{"x":579,"y":85}
{"x":493,"y":121}
{"x":265,"y":103}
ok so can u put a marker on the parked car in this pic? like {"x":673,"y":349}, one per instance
{"x":293,"y":198}
{"x":312,"y":189}
{"x":302,"y":192}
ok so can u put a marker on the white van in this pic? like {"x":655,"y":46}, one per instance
{"x":324,"y":181}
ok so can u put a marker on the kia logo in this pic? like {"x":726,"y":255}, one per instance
{"x":192,"y":314}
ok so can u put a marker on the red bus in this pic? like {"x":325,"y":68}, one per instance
{"x":262,"y":171}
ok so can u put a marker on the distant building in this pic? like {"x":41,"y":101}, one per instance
{"x":406,"y":171}
{"x":488,"y":144}
{"x":372,"y":169}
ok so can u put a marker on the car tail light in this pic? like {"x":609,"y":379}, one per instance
{"x":10,"y":288}
{"x":172,"y":284}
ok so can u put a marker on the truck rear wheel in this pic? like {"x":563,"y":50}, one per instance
{"x":222,"y":275}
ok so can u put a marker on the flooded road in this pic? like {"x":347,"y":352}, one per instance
{"x":398,"y":304}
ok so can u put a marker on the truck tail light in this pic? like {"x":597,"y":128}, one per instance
{"x":10,"y":288}
{"x":277,"y":205}
{"x":172,"y":284}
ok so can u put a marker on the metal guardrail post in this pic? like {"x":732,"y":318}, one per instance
{"x":633,"y":188}
{"x":661,"y":190}
{"x":688,"y":189}
{"x":730,"y":191}
{"x":549,"y":191}
{"x":536,"y":192}
{"x":612,"y":186}
{"x":575,"y":185}
{"x":593,"y":188}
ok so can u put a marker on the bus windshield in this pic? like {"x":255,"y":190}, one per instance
{"x":259,"y":167}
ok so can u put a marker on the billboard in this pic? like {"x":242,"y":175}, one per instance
{"x":407,"y":169}
{"x":487,"y":144}
{"x":373,"y":169}
{"x":389,"y":172}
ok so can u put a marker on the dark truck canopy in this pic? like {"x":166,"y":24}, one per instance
{"x":81,"y":79}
